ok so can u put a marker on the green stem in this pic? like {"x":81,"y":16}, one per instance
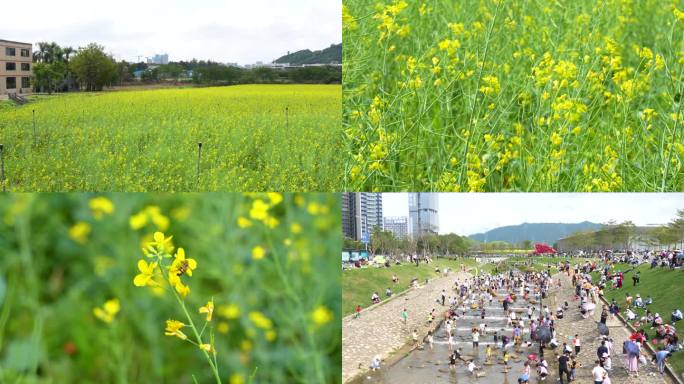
{"x":290,"y":291}
{"x":197,"y":336}
{"x":214,"y":368}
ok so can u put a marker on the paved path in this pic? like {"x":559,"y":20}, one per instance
{"x":573,"y":323}
{"x":381,"y":330}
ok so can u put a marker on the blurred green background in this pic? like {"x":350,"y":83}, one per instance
{"x":62,"y":255}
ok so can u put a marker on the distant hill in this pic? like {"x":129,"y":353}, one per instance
{"x":325,"y":56}
{"x":536,"y":232}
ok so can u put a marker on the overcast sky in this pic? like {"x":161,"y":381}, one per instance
{"x":468,"y":213}
{"x":220,"y":30}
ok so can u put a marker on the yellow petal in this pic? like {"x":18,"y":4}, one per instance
{"x":159,"y":237}
{"x":192,"y":264}
{"x":141,"y":280}
{"x":180,"y":255}
{"x":143,"y":267}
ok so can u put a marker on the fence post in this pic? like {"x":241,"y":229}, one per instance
{"x":199,"y":159}
{"x":287,"y":118}
{"x":34,"y":127}
{"x":2,"y":166}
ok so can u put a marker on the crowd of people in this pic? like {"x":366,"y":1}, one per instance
{"x":535,"y":325}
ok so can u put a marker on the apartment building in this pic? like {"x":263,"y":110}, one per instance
{"x":16,"y":65}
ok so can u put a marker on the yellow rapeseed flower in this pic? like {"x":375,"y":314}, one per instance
{"x":321,"y":315}
{"x":101,"y":206}
{"x":230,"y":311}
{"x":173,"y":328}
{"x":260,"y":320}
{"x":144,"y":278}
{"x":79,"y":232}
{"x":108,"y":311}
{"x":243,"y":222}
{"x":258,"y":252}
{"x":296,"y":228}
{"x":208,"y":309}
{"x":138,"y":220}
{"x":259,"y":210}
{"x":236,"y":378}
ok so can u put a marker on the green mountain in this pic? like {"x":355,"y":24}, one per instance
{"x":332,"y":54}
{"x":536,"y":232}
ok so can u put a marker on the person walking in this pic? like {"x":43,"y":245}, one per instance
{"x":476,"y":338}
{"x":598,"y":373}
{"x":563,"y":367}
{"x":577,"y":343}
{"x":633,"y":351}
{"x":404,"y":315}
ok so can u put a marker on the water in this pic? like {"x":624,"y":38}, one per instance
{"x":432,"y":365}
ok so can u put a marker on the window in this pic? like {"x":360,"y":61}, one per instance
{"x":25,"y":66}
{"x":11,"y":83}
{"x":10,"y":51}
{"x":10,"y":66}
{"x":25,"y":53}
{"x":26,"y":82}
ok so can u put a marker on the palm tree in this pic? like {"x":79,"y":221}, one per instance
{"x":68,"y":51}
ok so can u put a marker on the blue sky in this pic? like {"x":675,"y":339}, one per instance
{"x":468,"y":213}
{"x":225,"y":31}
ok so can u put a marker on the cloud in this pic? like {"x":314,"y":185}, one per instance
{"x":466,"y":214}
{"x":218,"y":30}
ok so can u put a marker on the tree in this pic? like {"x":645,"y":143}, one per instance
{"x":351,"y":244}
{"x":46,"y":76}
{"x":677,"y":227}
{"x":93,"y":67}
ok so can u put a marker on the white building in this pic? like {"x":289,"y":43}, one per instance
{"x":398,"y":225}
{"x":423,"y":217}
{"x":162,"y":59}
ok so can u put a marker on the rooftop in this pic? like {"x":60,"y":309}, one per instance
{"x":14,"y":42}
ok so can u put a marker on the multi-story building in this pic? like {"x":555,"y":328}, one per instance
{"x":162,"y":59}
{"x":361,"y":212}
{"x":423,"y":218}
{"x":398,"y":225}
{"x":16,"y":65}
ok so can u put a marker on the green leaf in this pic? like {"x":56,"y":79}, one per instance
{"x":22,"y":355}
{"x":3,"y":288}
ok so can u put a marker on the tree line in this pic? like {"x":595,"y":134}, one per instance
{"x":90,"y":68}
{"x":386,"y":243}
{"x":626,"y":235}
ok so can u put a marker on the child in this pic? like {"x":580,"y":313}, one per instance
{"x":576,"y":342}
{"x":358,"y":312}
{"x":430,"y":339}
{"x":472,"y":367}
{"x":573,"y":365}
{"x":488,"y":353}
{"x":375,"y":363}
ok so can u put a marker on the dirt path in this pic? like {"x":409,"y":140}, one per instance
{"x":573,"y":323}
{"x":381,"y":330}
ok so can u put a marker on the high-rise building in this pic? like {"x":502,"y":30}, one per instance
{"x":361,"y":212}
{"x":162,"y":59}
{"x":398,"y":225}
{"x":423,"y":218}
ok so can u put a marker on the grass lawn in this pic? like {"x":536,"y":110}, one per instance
{"x":359,"y":284}
{"x":663,"y":285}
